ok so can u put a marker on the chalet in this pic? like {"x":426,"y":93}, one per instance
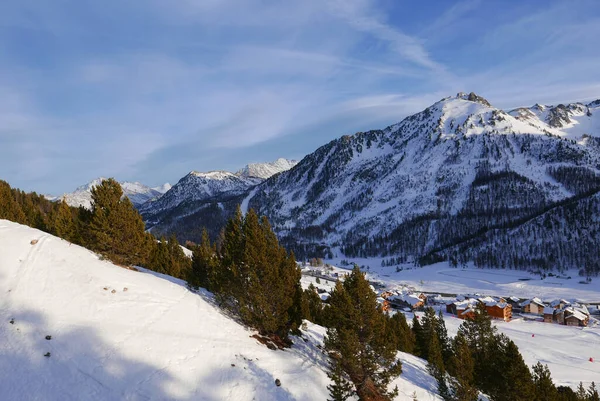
{"x":549,"y":314}
{"x":575,"y":318}
{"x":515,"y":303}
{"x":559,"y":316}
{"x":406,"y":300}
{"x":451,"y":307}
{"x":533,"y":305}
{"x":462,"y":309}
{"x":465,"y":312}
{"x":559,"y":303}
{"x":385,"y":304}
{"x":499,"y":310}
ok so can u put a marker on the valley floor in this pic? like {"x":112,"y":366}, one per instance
{"x":566,"y":350}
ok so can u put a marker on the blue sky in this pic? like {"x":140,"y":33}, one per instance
{"x":150,"y":90}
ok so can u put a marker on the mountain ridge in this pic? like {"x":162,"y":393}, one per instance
{"x":421,"y":187}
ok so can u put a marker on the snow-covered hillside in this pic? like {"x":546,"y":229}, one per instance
{"x":118,"y":334}
{"x":572,"y":121}
{"x":266,"y":170}
{"x":136,"y":192}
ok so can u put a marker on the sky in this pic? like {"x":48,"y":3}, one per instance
{"x":149,"y":90}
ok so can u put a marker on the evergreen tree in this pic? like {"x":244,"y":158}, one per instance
{"x":340,"y":389}
{"x":401,"y":333}
{"x":9,"y":207}
{"x":542,"y":381}
{"x":435,"y":365}
{"x":159,"y":259}
{"x":256,"y":278}
{"x":202,"y":273}
{"x":462,"y":368}
{"x":417,"y":330}
{"x":312,"y":305}
{"x":357,"y":337}
{"x":581,"y":393}
{"x":117,"y":230}
{"x":592,"y":393}
{"x":63,"y":224}
{"x":516,"y":383}
{"x":443,"y":339}
{"x":481,"y":339}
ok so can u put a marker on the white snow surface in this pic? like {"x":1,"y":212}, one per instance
{"x":118,"y":334}
{"x":266,"y":170}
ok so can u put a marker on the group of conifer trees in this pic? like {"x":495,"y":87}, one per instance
{"x":112,"y":227}
{"x":362,"y":341}
{"x":251,"y":275}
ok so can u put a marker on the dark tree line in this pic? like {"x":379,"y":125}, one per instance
{"x":113,"y":228}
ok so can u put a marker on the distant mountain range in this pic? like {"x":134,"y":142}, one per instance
{"x":194,"y":186}
{"x":137,"y":193}
{"x":459,"y":181}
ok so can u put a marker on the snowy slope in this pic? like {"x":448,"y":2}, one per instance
{"x":119,"y":334}
{"x":572,"y":121}
{"x":266,"y":170}
{"x":136,"y":192}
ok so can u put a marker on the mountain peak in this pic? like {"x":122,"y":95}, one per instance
{"x":212,"y":175}
{"x":472,"y":97}
{"x":266,"y":170}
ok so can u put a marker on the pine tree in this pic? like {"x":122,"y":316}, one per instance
{"x":116,"y":229}
{"x":461,"y":368}
{"x":417,"y":330}
{"x":202,"y":273}
{"x":545,"y":390}
{"x":399,"y":330}
{"x":312,"y":305}
{"x":340,"y":389}
{"x":256,"y":278}
{"x":592,"y":393}
{"x":63,"y":225}
{"x":516,"y":383}
{"x":358,"y":336}
{"x":9,"y":207}
{"x":435,"y":365}
{"x":581,"y":393}
{"x":444,"y":340}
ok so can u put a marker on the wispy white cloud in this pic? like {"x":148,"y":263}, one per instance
{"x":150,"y":92}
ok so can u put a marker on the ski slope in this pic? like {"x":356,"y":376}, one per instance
{"x":118,"y":334}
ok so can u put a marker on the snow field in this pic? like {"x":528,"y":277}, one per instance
{"x":118,"y":334}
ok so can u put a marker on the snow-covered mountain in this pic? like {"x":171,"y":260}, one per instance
{"x":197,"y":190}
{"x":460,"y":180}
{"x":266,"y":170}
{"x":119,"y":334}
{"x":136,"y":192}
{"x":456,"y":172}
